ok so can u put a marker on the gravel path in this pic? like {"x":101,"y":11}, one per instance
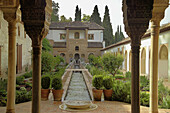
{"x":77,"y":89}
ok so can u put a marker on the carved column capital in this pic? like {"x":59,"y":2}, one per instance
{"x":158,"y":11}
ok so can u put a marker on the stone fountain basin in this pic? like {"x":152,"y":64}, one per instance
{"x":78,"y":104}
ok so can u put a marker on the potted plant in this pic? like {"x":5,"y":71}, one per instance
{"x":97,"y":82}
{"x":108,"y":84}
{"x":45,"y":84}
{"x":57,"y":88}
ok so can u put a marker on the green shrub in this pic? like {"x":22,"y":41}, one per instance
{"x":45,"y":82}
{"x":3,"y":84}
{"x":162,"y":92}
{"x":23,"y":96}
{"x":119,"y":76}
{"x":28,"y":84}
{"x":144,"y":82}
{"x":27,"y":75}
{"x":108,"y":82}
{"x":122,"y":91}
{"x":3,"y":97}
{"x":97,"y":81}
{"x":119,"y":72}
{"x":166,"y":102}
{"x":47,"y":62}
{"x":128,"y":75}
{"x":57,"y":83}
{"x":20,"y":80}
{"x":144,"y":98}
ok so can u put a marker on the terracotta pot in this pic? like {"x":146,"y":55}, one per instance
{"x":108,"y":94}
{"x":57,"y":94}
{"x":97,"y":94}
{"x":45,"y":94}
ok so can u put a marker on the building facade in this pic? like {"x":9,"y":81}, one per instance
{"x":76,"y":40}
{"x":23,"y":47}
{"x":124,"y":47}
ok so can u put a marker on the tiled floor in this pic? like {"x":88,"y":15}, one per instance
{"x":103,"y":107}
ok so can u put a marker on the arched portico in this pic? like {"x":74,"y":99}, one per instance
{"x":126,"y":60}
{"x":163,"y":62}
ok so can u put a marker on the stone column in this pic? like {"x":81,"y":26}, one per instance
{"x":157,"y":15}
{"x":135,"y":70}
{"x":155,"y":25}
{"x":36,"y":89}
{"x":11,"y":67}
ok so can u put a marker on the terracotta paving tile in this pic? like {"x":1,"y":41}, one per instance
{"x":103,"y":107}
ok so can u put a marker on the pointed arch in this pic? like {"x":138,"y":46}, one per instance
{"x":126,"y":60}
{"x":130,"y":60}
{"x":163,"y":53}
{"x":163,"y":62}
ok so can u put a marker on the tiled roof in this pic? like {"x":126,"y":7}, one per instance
{"x":95,"y":45}
{"x":163,"y":28}
{"x":79,"y":25}
{"x":59,"y":45}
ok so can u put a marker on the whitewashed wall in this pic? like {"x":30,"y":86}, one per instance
{"x":55,"y":35}
{"x":98,"y":35}
{"x":164,"y":38}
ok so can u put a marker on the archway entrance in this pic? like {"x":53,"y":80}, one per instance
{"x":77,"y":57}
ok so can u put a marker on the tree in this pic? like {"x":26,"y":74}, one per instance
{"x":86,"y":18}
{"x":46,"y":45}
{"x":119,"y":35}
{"x":64,"y":19}
{"x":78,"y":14}
{"x":95,"y":17}
{"x":47,"y":62}
{"x":108,"y":31}
{"x":95,"y":61}
{"x":55,"y":15}
{"x":111,"y":62}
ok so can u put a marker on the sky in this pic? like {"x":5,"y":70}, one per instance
{"x":67,"y":8}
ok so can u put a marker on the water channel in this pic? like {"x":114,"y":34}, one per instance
{"x":77,"y":90}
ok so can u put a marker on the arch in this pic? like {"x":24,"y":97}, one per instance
{"x":63,"y":55}
{"x":77,"y":57}
{"x":76,"y":48}
{"x":163,"y":62}
{"x":91,"y":54}
{"x":76,"y":35}
{"x":163,"y":53}
{"x":130,"y":60}
{"x":143,"y":61}
{"x":126,"y":60}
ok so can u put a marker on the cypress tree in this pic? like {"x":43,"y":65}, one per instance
{"x":95,"y":17}
{"x":108,"y":31}
{"x":119,"y":35}
{"x":78,"y":14}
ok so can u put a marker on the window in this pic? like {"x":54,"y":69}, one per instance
{"x":90,"y":36}
{"x":62,"y":36}
{"x":77,"y":48}
{"x":76,"y":35}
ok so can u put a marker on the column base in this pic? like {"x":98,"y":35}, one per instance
{"x":10,"y":111}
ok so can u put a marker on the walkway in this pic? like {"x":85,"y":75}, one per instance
{"x":103,"y":107}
